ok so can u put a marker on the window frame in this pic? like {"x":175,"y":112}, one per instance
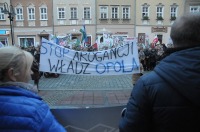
{"x":115,"y":14}
{"x":43,"y":14}
{"x":103,"y":12}
{"x":173,"y":12}
{"x":31,"y":37}
{"x":145,"y":13}
{"x":160,"y":12}
{"x":126,"y":15}
{"x":31,"y":15}
{"x":2,"y":15}
{"x":19,"y":16}
{"x":58,"y":13}
{"x":198,"y":9}
{"x":74,"y":13}
{"x":87,"y":13}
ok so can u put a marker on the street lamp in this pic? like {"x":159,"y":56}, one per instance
{"x":11,"y":14}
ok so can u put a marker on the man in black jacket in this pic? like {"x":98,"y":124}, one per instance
{"x":168,"y":98}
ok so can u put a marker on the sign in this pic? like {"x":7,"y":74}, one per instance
{"x":159,"y":29}
{"x":141,"y":38}
{"x":115,"y":61}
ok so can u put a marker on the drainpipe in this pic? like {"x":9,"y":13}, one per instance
{"x":53,"y":18}
{"x":95,"y":19}
{"x":135,"y":18}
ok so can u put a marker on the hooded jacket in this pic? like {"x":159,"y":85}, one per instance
{"x":168,"y":98}
{"x":23,"y":110}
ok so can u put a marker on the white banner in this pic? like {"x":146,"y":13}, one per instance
{"x":115,"y":61}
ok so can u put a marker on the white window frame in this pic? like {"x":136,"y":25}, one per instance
{"x":62,"y":13}
{"x":126,"y":12}
{"x":172,"y":12}
{"x":74,"y":12}
{"x":2,"y":15}
{"x":160,"y":12}
{"x":103,"y":12}
{"x":26,"y":38}
{"x":145,"y":12}
{"x":43,"y":13}
{"x":86,"y":13}
{"x":31,"y":15}
{"x":114,"y":13}
{"x":195,"y":11}
{"x":19,"y":15}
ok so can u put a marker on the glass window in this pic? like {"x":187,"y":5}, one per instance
{"x":4,"y":41}
{"x":19,"y":14}
{"x":61,"y":13}
{"x":31,"y":13}
{"x":103,"y":12}
{"x":86,"y":12}
{"x":126,"y":12}
{"x":173,"y":11}
{"x":145,"y":11}
{"x":2,"y":16}
{"x":26,"y":42}
{"x":43,"y":13}
{"x":159,"y":12}
{"x":114,"y":12}
{"x":73,"y":13}
{"x":194,"y":9}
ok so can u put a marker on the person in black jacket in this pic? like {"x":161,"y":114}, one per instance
{"x":168,"y":98}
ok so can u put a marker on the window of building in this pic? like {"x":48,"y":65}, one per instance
{"x":2,"y":16}
{"x":159,"y":12}
{"x":145,"y":11}
{"x":4,"y":41}
{"x":103,"y":12}
{"x":125,"y":12}
{"x":173,"y":11}
{"x":73,"y":12}
{"x":114,"y":12}
{"x":61,"y":13}
{"x":26,"y":41}
{"x":31,"y":13}
{"x":19,"y":14}
{"x":86,"y":12}
{"x":194,"y":9}
{"x":43,"y":13}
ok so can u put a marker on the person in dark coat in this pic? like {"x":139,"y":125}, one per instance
{"x":21,"y":108}
{"x":168,"y":98}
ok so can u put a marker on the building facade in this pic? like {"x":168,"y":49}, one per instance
{"x":116,"y":18}
{"x":37,"y":19}
{"x":155,"y":17}
{"x":5,"y":32}
{"x":33,"y":21}
{"x":70,"y":16}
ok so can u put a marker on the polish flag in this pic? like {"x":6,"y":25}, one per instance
{"x":155,"y":40}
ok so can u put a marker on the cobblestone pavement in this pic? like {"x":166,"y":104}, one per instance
{"x":73,"y":91}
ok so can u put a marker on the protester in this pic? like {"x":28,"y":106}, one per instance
{"x":168,"y":98}
{"x":21,"y":109}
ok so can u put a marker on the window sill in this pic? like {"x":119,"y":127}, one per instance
{"x":73,"y":19}
{"x":86,"y":19}
{"x":103,"y":18}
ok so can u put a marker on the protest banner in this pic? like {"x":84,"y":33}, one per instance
{"x":115,"y":61}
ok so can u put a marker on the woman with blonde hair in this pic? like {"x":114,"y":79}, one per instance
{"x":21,"y":109}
